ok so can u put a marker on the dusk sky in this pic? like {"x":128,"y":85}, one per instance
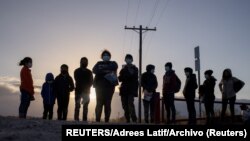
{"x":54,"y":32}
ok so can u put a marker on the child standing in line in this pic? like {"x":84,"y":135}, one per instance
{"x":48,"y":96}
{"x":26,"y":87}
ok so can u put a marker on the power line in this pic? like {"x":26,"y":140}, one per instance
{"x":125,"y":33}
{"x":140,"y":29}
{"x":160,"y":17}
{"x":154,"y":11}
{"x":162,"y":12}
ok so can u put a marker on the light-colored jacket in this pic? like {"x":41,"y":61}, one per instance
{"x":228,"y":88}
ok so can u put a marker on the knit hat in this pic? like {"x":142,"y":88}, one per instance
{"x":208,"y":72}
{"x":187,"y":69}
{"x":150,"y":67}
{"x":168,"y":64}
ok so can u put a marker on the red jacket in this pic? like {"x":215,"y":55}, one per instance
{"x":169,"y":83}
{"x":26,"y":80}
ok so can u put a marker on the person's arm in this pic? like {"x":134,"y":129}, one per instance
{"x":220,"y":86}
{"x":155,"y":83}
{"x":121,"y":75}
{"x":98,"y":69}
{"x":42,"y":91}
{"x":90,"y":79}
{"x":71,"y":84}
{"x":75,"y":75}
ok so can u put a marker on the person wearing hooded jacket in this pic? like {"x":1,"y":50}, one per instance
{"x":63,"y":86}
{"x":208,"y":96}
{"x":228,"y":92}
{"x":129,"y":88}
{"x":189,"y":94}
{"x":169,"y":84}
{"x":48,"y":95}
{"x":83,"y":81}
{"x":149,"y":84}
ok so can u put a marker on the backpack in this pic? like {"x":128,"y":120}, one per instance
{"x":178,"y":84}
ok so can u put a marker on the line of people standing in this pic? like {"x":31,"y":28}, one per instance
{"x":106,"y":80}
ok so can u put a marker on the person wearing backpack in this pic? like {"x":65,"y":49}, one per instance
{"x":171,"y":85}
{"x":208,"y":95}
{"x":189,"y":94}
{"x":228,"y":90}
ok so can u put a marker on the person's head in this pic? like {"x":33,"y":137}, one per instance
{"x":188,"y":71}
{"x":243,"y":107}
{"x":106,"y":55}
{"x":150,"y":68}
{"x":84,"y":62}
{"x":64,"y":69}
{"x":208,"y":73}
{"x":227,"y":73}
{"x":27,"y":61}
{"x":168,"y":66}
{"x":49,"y":77}
{"x":129,"y":59}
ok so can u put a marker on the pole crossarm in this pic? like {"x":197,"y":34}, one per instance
{"x":139,"y":30}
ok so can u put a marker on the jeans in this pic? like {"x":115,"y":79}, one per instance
{"x":224,"y":106}
{"x":103,"y":98}
{"x":48,"y":110}
{"x":25,"y":103}
{"x":128,"y":107}
{"x":170,"y":107}
{"x":85,"y":98}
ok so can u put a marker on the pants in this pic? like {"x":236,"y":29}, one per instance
{"x":191,"y":111}
{"x":85,"y":98}
{"x":224,"y":106}
{"x":48,"y":110}
{"x":25,"y":103}
{"x":209,"y":106}
{"x":170,"y":107}
{"x":148,"y":106}
{"x":103,"y":98}
{"x":62,"y":110}
{"x":128,"y":107}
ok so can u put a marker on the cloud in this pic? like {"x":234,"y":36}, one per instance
{"x":11,"y":85}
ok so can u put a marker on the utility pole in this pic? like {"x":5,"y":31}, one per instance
{"x":140,"y":29}
{"x":198,"y":68}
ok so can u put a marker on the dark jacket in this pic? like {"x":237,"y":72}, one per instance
{"x":190,"y":87}
{"x":48,"y":92}
{"x":84,"y":80}
{"x":102,"y":68}
{"x":63,"y":86}
{"x":129,"y":78}
{"x":169,"y":82}
{"x":149,"y":82}
{"x":209,"y":85}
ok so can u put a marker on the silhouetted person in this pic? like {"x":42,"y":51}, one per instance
{"x":63,"y":86}
{"x":48,"y":95}
{"x":26,"y":87}
{"x":169,"y":85}
{"x":208,"y":95}
{"x":189,"y":94}
{"x":84,"y":80}
{"x":149,"y":84}
{"x":129,"y":88}
{"x":104,"y":82}
{"x":228,"y":92}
